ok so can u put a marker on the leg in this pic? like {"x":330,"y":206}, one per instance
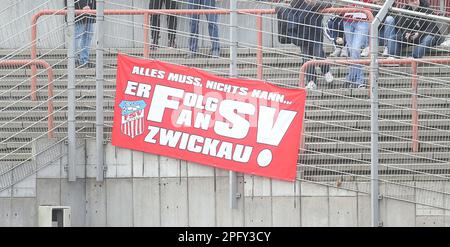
{"x":359,"y":40}
{"x":155,"y":20}
{"x":171,"y":20}
{"x":424,"y":46}
{"x":389,"y":30}
{"x":193,"y":39}
{"x":79,"y":29}
{"x":213,"y":29}
{"x":349,"y":32}
{"x":86,"y":41}
{"x":396,"y":45}
{"x":308,"y":50}
{"x":318,"y":53}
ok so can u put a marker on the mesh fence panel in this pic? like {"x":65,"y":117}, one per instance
{"x":413,"y":141}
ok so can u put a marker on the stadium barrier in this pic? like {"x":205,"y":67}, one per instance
{"x":50,"y":76}
{"x":148,"y":12}
{"x":413,"y":62}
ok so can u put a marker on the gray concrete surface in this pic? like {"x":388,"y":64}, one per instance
{"x":149,"y":190}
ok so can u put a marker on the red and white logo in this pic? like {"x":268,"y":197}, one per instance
{"x":132,"y":117}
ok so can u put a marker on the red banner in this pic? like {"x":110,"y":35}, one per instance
{"x":185,"y":113}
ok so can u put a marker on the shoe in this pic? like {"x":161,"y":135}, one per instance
{"x":356,"y":86}
{"x":391,"y":64}
{"x":446,"y":43}
{"x":329,"y":77}
{"x":385,"y":52}
{"x":349,"y":84}
{"x":336,"y":52}
{"x":365,"y":52}
{"x":172,"y":44}
{"x":361,"y":86}
{"x":215,"y":54}
{"x":311,"y":86}
{"x":154,"y":45}
{"x":344,"y":52}
{"x":191,"y":55}
{"x":87,"y":65}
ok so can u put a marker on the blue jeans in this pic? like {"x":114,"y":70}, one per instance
{"x":419,"y":50}
{"x":83,"y":37}
{"x":213,"y":29}
{"x":388,"y":31}
{"x":356,"y":35}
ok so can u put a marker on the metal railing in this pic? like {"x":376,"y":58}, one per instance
{"x":148,"y":12}
{"x":414,"y":85}
{"x":50,"y":76}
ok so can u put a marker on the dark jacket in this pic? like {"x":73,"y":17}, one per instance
{"x":305,"y":21}
{"x":411,"y":24}
{"x":80,"y":4}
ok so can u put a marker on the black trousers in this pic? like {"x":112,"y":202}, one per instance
{"x":171,"y":19}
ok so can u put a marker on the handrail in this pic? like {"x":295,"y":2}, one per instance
{"x":414,"y":82}
{"x":148,"y":12}
{"x":50,"y":76}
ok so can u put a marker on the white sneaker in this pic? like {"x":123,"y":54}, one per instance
{"x":391,"y":64}
{"x":365,"y":52}
{"x":385,"y":51}
{"x":446,"y":43}
{"x":311,"y":85}
{"x":336,"y":52}
{"x":329,"y":77}
{"x":344,"y":52}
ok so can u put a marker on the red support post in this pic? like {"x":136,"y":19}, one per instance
{"x":259,"y":52}
{"x":146,"y":34}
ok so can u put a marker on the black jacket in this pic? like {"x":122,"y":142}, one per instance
{"x":411,"y":24}
{"x":305,"y":21}
{"x":80,"y":4}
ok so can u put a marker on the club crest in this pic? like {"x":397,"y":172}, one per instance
{"x":132,"y":117}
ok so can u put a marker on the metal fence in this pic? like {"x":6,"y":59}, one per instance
{"x":414,"y":112}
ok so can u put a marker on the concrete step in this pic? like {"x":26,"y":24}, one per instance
{"x":364,"y":136}
{"x":384,"y":125}
{"x":397,"y":146}
{"x":15,"y":157}
{"x":245,"y":70}
{"x":138,"y":51}
{"x":386,"y":87}
{"x":383,"y":168}
{"x":343,"y":126}
{"x":364,"y":158}
{"x":364,"y":114}
{"x":165,"y":51}
{"x":423,"y":103}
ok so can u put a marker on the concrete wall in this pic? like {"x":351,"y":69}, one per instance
{"x":120,"y":31}
{"x":148,"y":190}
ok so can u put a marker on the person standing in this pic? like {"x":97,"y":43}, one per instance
{"x":213,"y":29}
{"x":84,"y":30}
{"x":356,"y":28}
{"x":171,"y":22}
{"x":307,"y":33}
